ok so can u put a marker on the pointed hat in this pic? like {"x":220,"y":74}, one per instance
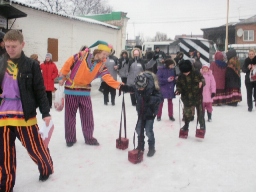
{"x":102,"y":45}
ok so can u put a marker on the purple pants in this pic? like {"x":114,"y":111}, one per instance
{"x":207,"y":107}
{"x":170,"y":108}
{"x":84,"y":104}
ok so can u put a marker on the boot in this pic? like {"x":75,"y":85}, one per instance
{"x":209,"y":116}
{"x":184,"y":131}
{"x":151,"y":151}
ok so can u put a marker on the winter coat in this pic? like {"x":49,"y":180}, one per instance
{"x":210,"y":86}
{"x":245,"y":69}
{"x":188,"y":87}
{"x":110,"y":63}
{"x":218,"y":68}
{"x":161,"y":57}
{"x":232,"y":77}
{"x":50,"y":72}
{"x":123,"y":65}
{"x":167,"y":88}
{"x":149,"y":99}
{"x":136,"y":66}
{"x":31,"y":86}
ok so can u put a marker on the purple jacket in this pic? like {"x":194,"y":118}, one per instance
{"x":166,"y":88}
{"x":210,"y":86}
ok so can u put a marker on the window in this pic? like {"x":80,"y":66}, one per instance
{"x":248,"y":35}
{"x":53,"y":48}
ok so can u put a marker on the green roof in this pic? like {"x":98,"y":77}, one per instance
{"x":105,"y":17}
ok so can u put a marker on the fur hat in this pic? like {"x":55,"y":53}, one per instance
{"x":141,"y":81}
{"x":185,"y":66}
{"x":206,"y":65}
{"x":231,"y":53}
{"x":48,"y":55}
{"x":102,"y":45}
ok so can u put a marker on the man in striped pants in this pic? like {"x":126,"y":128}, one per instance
{"x":22,"y":90}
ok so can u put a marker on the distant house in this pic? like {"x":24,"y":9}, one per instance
{"x":62,"y":35}
{"x":246,"y":31}
{"x":218,"y":35}
{"x":189,"y":36}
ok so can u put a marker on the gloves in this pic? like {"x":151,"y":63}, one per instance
{"x":212,"y":95}
{"x":124,"y":88}
{"x":156,"y":57}
{"x":44,"y":130}
{"x":177,"y":93}
{"x":170,"y":79}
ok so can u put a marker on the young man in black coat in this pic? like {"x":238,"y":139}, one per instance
{"x":22,"y":91}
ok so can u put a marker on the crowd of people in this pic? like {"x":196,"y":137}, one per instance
{"x":25,"y":84}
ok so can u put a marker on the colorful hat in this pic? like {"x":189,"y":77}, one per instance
{"x":141,"y":81}
{"x":102,"y":45}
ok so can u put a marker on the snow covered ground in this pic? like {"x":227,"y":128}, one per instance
{"x":225,"y":161}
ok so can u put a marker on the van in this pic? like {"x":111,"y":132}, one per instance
{"x":151,"y":46}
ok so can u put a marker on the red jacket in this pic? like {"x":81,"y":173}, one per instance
{"x":50,"y":72}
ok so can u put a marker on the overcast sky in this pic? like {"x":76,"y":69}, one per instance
{"x":176,"y":17}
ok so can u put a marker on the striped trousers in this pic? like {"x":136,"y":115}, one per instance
{"x":32,"y":141}
{"x":84,"y":104}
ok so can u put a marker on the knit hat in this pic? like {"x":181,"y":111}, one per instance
{"x":48,"y":55}
{"x":141,"y":81}
{"x":206,"y":65}
{"x":102,"y":45}
{"x":231,"y":53}
{"x":185,"y":66}
{"x":1,"y":36}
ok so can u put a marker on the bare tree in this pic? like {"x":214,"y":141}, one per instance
{"x":160,"y":37}
{"x":73,"y":7}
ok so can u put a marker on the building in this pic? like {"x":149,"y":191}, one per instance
{"x":246,"y":31}
{"x":218,"y":35}
{"x":62,"y":35}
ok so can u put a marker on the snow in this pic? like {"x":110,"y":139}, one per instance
{"x":222,"y":162}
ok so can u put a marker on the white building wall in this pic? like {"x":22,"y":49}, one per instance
{"x":38,"y":26}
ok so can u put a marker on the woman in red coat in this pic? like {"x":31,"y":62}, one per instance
{"x":50,"y":72}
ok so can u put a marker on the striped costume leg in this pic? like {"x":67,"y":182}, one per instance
{"x":7,"y":158}
{"x":33,"y":142}
{"x":72,"y":103}
{"x":86,"y":116}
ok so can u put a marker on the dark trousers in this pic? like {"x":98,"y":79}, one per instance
{"x":112,"y":91}
{"x":251,"y":90}
{"x":148,"y":126}
{"x":32,"y":141}
{"x":124,"y":80}
{"x":133,"y":99}
{"x":49,"y":97}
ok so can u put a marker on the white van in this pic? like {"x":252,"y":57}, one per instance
{"x":151,"y":46}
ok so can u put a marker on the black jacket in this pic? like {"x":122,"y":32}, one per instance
{"x":232,"y":80}
{"x":31,"y":86}
{"x":148,"y":100}
{"x":245,"y":69}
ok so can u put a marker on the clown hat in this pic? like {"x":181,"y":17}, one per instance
{"x":102,"y":45}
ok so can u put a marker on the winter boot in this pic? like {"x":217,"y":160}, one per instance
{"x":141,"y":143}
{"x":158,"y":118}
{"x":200,"y":132}
{"x":151,"y":151}
{"x":184,"y":131}
{"x":209,"y":117}
{"x":171,"y":118}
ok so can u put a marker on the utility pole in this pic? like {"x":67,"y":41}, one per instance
{"x":226,"y":42}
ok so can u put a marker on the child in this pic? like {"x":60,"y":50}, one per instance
{"x":189,"y":85}
{"x":148,"y":97}
{"x":209,"y":90}
{"x":166,"y":78}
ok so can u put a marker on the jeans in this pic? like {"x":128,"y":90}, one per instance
{"x":148,"y":126}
